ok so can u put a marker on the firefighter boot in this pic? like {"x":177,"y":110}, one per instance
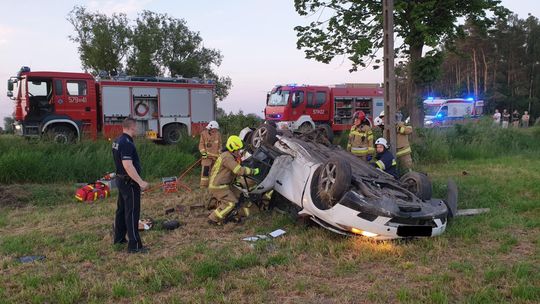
{"x":221,"y":212}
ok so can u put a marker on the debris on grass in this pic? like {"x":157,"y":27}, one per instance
{"x":274,"y":234}
{"x":31,"y":258}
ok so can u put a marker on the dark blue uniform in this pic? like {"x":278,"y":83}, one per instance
{"x":386,"y":162}
{"x":129,"y":197}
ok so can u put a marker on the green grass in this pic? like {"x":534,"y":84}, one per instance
{"x":488,"y":258}
{"x":23,"y":161}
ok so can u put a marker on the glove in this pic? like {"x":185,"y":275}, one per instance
{"x":369,"y":157}
{"x":204,"y":155}
{"x":256,"y":171}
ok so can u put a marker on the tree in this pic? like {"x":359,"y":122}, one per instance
{"x":354,"y":29}
{"x":8,"y":124}
{"x":153,"y":45}
{"x":103,"y":41}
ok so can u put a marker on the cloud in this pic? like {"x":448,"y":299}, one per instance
{"x":109,"y":7}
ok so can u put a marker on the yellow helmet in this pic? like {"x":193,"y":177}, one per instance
{"x":234,"y":143}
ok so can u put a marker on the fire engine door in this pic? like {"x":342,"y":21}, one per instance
{"x":318,"y":106}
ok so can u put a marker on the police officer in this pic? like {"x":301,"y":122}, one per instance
{"x":130,"y":184}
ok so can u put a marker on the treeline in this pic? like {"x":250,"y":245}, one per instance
{"x":500,"y":65}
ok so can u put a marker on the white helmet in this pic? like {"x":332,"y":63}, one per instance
{"x":212,"y":125}
{"x":381,"y":114}
{"x":381,"y":141}
{"x":244,"y":133}
{"x":379,"y":121}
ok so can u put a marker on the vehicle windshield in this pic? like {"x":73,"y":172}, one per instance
{"x":278,"y":98}
{"x":431,"y":110}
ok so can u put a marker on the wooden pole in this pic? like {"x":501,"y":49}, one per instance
{"x":389,"y":75}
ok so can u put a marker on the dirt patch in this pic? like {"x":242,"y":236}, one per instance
{"x":13,"y":196}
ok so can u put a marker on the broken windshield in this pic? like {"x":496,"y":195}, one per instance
{"x":278,"y":98}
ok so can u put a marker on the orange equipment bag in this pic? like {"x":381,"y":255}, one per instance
{"x":92,"y":192}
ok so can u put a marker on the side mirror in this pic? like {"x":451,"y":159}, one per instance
{"x":9,"y":94}
{"x":10,"y":85}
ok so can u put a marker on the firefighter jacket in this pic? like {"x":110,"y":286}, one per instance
{"x":210,"y":143}
{"x":386,"y":162}
{"x":361,"y":141}
{"x":225,"y":170}
{"x":403,"y":131}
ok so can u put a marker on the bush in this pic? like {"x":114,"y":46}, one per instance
{"x":232,"y":124}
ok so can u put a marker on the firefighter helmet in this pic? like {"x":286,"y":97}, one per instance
{"x":379,"y":121}
{"x":212,"y":125}
{"x":381,"y":141}
{"x":234,"y":143}
{"x":381,"y":114}
{"x":245,"y":133}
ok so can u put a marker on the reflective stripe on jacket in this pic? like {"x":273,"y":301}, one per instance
{"x":361,"y":141}
{"x":225,"y":170}
{"x":210,"y":143}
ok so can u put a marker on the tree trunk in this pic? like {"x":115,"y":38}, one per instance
{"x":475,"y":74}
{"x":485,"y":72}
{"x":416,"y":109}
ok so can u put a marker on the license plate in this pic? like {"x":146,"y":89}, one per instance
{"x":151,"y":134}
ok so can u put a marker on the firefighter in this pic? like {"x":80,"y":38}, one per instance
{"x":224,"y":172}
{"x":361,"y":137}
{"x":379,"y":120}
{"x":403,"y":151}
{"x":209,"y":146}
{"x":384,"y":160}
{"x":130,"y":184}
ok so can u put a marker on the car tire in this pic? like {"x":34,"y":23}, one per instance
{"x":417,"y":183}
{"x":172,"y":134}
{"x":264,"y":134}
{"x":305,"y":128}
{"x":61,"y":135}
{"x":334,"y":181}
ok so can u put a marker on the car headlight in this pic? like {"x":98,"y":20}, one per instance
{"x":18,"y":127}
{"x":364,"y":233}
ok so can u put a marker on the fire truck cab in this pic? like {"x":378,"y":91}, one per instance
{"x":304,"y":107}
{"x":65,"y":107}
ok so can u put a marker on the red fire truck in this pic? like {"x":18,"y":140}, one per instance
{"x":68,"y":106}
{"x":304,"y":107}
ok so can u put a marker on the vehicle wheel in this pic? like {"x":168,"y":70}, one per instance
{"x":172,"y":134}
{"x":305,"y":127}
{"x":61,"y":135}
{"x":417,"y":183}
{"x":264,"y":134}
{"x":329,"y":132}
{"x":334,"y":181}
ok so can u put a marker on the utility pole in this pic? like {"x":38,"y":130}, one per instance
{"x":389,"y":75}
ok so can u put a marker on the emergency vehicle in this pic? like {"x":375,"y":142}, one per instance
{"x":68,"y":106}
{"x":444,"y":112}
{"x":304,"y":107}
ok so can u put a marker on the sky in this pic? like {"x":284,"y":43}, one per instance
{"x":255,"y":37}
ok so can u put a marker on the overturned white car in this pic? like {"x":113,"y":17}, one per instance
{"x":342,"y":193}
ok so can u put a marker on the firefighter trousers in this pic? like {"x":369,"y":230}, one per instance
{"x":405,"y":161}
{"x":206,"y":168}
{"x":227,"y":200}
{"x":128,"y":210}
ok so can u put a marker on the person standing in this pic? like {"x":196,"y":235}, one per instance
{"x":403,"y":151}
{"x":515,"y":119}
{"x":130,"y":184}
{"x":384,"y":160}
{"x":209,"y":147}
{"x":361,"y":137}
{"x":525,"y":120}
{"x":223,"y":175}
{"x":505,"y":119}
{"x":497,"y":118}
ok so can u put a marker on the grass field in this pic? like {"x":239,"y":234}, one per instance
{"x":489,"y":258}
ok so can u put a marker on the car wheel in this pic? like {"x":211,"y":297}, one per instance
{"x":417,"y":183}
{"x":61,"y":135}
{"x":334,"y":181}
{"x":305,"y":127}
{"x":172,"y":134}
{"x":264,"y":134}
